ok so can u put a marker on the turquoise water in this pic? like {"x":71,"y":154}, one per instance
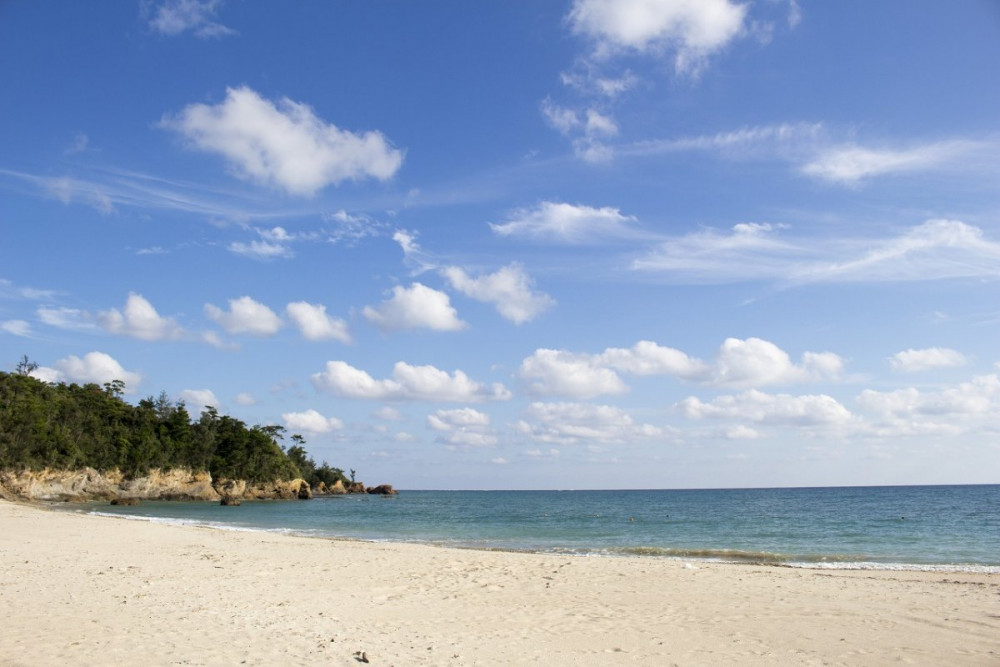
{"x":913,"y":527}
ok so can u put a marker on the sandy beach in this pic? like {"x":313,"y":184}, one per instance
{"x":94,"y":590}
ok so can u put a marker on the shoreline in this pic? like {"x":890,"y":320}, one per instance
{"x":680,"y":554}
{"x":82,"y":587}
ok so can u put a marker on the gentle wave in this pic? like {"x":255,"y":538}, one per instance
{"x":733,"y":556}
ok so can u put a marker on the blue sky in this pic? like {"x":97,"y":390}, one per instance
{"x":577,"y":244}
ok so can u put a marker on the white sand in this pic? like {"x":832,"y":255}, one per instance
{"x":77,"y":589}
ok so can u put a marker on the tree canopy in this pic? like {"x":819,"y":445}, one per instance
{"x":68,"y":426}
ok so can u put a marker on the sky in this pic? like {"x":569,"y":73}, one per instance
{"x":563,"y":244}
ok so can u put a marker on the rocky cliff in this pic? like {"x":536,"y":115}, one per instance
{"x":178,"y":484}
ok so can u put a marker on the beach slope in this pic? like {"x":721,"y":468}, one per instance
{"x":84,"y":589}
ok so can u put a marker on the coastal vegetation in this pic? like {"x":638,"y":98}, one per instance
{"x":70,"y":427}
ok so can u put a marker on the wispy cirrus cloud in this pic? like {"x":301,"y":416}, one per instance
{"x":173,"y":17}
{"x":830,"y":155}
{"x":934,"y":250}
{"x":574,"y":224}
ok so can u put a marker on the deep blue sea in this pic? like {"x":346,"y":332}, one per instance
{"x":949,"y":528}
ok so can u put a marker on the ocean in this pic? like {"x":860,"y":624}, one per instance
{"x":944,"y":528}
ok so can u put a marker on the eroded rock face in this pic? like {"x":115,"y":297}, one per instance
{"x":382,"y":490}
{"x":87,"y":484}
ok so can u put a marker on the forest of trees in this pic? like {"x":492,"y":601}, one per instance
{"x":72,"y":426}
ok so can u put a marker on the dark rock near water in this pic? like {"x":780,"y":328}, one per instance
{"x":230,"y":501}
{"x":125,"y":501}
{"x":382,"y":490}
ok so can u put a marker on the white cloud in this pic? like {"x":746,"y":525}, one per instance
{"x":261,"y":250}
{"x":756,"y":362}
{"x":311,"y":421}
{"x":741,"y":432}
{"x":66,"y":318}
{"x":567,"y":223}
{"x":463,"y":427}
{"x":739,"y":363}
{"x":509,"y":289}
{"x":245,"y":316}
{"x":449,"y":420}
{"x":139,"y":320}
{"x":16,"y":328}
{"x":770,"y":409}
{"x":590,"y":128}
{"x":909,"y":361}
{"x":979,"y":397}
{"x":416,"y":306}
{"x":9,"y":290}
{"x":199,"y":399}
{"x":244,"y":398}
{"x":213,"y":339}
{"x":692,"y":30}
{"x":935,"y":250}
{"x":284,"y":144}
{"x":560,"y":373}
{"x":570,"y":423}
{"x":413,"y":255}
{"x":173,"y":17}
{"x":96,"y":367}
{"x":851,"y":163}
{"x":421,"y":383}
{"x":315,"y":324}
{"x":562,"y":119}
{"x":649,"y":358}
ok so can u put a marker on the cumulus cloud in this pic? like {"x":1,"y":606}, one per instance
{"x":566,"y":223}
{"x":314,"y":324}
{"x":755,"y":362}
{"x":283,"y":144}
{"x":561,"y":373}
{"x":966,"y":407}
{"x":139,"y":319}
{"x":16,"y":328}
{"x":981,"y":396}
{"x":173,"y":17}
{"x":909,"y":361}
{"x":571,"y":423}
{"x":311,"y":421}
{"x":413,"y":307}
{"x":199,"y":399}
{"x":245,"y":316}
{"x":934,"y":250}
{"x":693,"y":31}
{"x":463,"y":427}
{"x":770,"y":409}
{"x":509,"y":289}
{"x":739,"y":363}
{"x":96,"y":367}
{"x":408,"y":383}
